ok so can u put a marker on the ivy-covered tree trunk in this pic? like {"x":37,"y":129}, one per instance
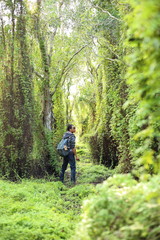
{"x":47,"y":112}
{"x":47,"y":101}
{"x":17,"y":100}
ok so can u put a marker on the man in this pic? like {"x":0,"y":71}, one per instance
{"x":70,"y":158}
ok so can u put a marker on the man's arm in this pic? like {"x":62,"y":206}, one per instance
{"x":73,"y":147}
{"x":75,"y":153}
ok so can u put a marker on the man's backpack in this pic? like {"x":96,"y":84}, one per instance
{"x":62,"y":148}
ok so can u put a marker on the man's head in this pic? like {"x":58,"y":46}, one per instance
{"x":71,"y":128}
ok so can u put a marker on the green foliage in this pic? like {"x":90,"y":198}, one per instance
{"x":122,"y":209}
{"x":88,"y":173}
{"x":68,"y":63}
{"x":16,"y":95}
{"x":83,"y":150}
{"x":95,"y":64}
{"x":28,"y":204}
{"x":26,"y":95}
{"x":40,"y":209}
{"x":58,"y":111}
{"x":123,"y":127}
{"x":143,"y":75}
{"x":74,"y":197}
{"x":93,"y":173}
{"x":102,"y":97}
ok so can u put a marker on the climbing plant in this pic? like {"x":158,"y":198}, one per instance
{"x":92,"y":63}
{"x":16,"y":92}
{"x":143,"y":76}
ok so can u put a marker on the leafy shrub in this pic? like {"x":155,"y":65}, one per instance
{"x":39,"y":209}
{"x":74,"y":197}
{"x":90,"y":173}
{"x":143,"y":75}
{"x":122,"y":209}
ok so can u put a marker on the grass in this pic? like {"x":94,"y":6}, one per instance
{"x":39,"y":209}
{"x":49,"y":210}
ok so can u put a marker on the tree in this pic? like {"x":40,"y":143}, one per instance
{"x":16,"y":92}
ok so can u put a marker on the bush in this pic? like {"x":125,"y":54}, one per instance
{"x":39,"y":209}
{"x":122,"y":209}
{"x":90,"y":173}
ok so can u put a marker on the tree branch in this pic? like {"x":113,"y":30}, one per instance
{"x":51,"y":45}
{"x":55,"y":32}
{"x":37,"y":73}
{"x":105,"y":11}
{"x":65,"y":68}
{"x":113,"y":60}
{"x":108,"y":48}
{"x":106,"y":58}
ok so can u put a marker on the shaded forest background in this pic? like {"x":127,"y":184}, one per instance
{"x":92,"y":63}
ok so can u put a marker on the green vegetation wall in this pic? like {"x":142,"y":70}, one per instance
{"x":111,"y":52}
{"x":16,"y":94}
{"x":107,"y":128}
{"x":132,"y":100}
{"x":123,"y":91}
{"x":143,"y":75}
{"x":28,"y":118}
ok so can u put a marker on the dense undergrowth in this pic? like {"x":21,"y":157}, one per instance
{"x":120,"y":208}
{"x":42,"y":209}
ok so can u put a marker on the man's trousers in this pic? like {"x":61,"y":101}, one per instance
{"x":70,"y":158}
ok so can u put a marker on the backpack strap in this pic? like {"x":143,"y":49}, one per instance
{"x":67,"y":137}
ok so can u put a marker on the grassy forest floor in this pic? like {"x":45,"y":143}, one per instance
{"x":46,"y":209}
